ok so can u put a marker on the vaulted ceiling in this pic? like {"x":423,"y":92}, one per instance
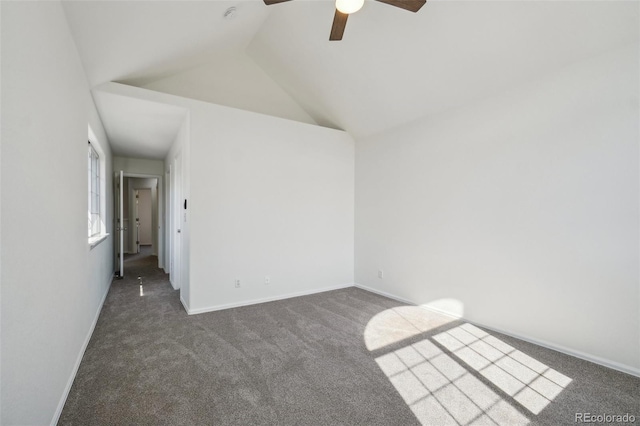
{"x":392,"y":67}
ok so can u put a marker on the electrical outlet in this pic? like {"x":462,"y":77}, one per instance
{"x":267,"y":279}
{"x":380,"y":273}
{"x":237,"y":282}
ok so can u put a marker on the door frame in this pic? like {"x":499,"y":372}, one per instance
{"x":119,"y":222}
{"x":162,"y":226}
{"x":176,"y":224}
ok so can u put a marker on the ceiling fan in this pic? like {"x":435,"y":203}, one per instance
{"x":345,"y":7}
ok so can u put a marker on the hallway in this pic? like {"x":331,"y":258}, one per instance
{"x":133,"y":259}
{"x":115,"y":382}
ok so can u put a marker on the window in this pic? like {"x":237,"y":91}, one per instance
{"x":94,"y":193}
{"x":97,"y":190}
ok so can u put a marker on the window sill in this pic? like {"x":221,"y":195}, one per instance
{"x":94,"y":241}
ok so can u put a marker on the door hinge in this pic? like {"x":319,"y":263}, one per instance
{"x":137,"y":242}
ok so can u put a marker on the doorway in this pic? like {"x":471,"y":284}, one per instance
{"x":144,"y":220}
{"x":139,"y":218}
{"x":141,"y":213}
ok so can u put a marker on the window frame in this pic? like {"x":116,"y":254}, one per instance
{"x":98,"y":233}
{"x":94,"y":194}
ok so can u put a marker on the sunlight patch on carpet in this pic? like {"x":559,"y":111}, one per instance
{"x":400,"y":323}
{"x":453,"y":389}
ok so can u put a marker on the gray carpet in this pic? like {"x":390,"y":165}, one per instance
{"x":346,"y":357}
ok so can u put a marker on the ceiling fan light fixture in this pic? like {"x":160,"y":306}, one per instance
{"x":349,"y":6}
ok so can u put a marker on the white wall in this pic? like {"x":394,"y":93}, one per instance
{"x":268,"y":197}
{"x":101,"y":260}
{"x":523,"y":208}
{"x":179,"y":149}
{"x":141,"y":166}
{"x":0,"y":230}
{"x":52,"y":283}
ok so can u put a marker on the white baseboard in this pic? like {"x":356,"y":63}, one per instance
{"x":264,"y":300}
{"x":558,"y":348}
{"x":567,"y":351}
{"x":67,"y":388}
{"x":384,"y":293}
{"x":185,"y":304}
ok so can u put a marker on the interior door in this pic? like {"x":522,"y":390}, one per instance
{"x":137,"y":216}
{"x":120,"y":228}
{"x":145,"y":213}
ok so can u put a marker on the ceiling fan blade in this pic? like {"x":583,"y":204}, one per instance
{"x":339,"y":23}
{"x":410,"y":5}
{"x":270,"y":2}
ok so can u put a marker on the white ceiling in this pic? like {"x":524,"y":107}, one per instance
{"x":392,"y":67}
{"x":138,"y":128}
{"x":136,"y":42}
{"x":235,"y":81}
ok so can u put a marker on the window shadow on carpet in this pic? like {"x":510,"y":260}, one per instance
{"x":453,"y":373}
